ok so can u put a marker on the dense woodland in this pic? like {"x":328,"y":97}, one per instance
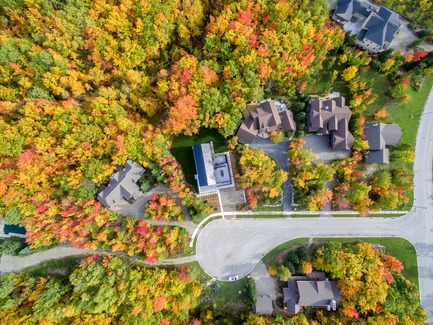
{"x":86,"y":85}
{"x":100,"y":291}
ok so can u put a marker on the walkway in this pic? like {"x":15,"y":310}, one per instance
{"x":9,"y":263}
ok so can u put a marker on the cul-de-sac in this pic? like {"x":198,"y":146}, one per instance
{"x":198,"y":162}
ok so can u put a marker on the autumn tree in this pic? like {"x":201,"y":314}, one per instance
{"x":367,"y":281}
{"x":260,"y":173}
{"x":99,"y":290}
{"x":308,"y":177}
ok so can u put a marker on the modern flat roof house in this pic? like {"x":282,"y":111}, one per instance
{"x":259,"y":119}
{"x":122,"y":185}
{"x":213,"y":170}
{"x":330,"y":115}
{"x":375,"y":26}
{"x":312,"y":290}
{"x":378,"y":136}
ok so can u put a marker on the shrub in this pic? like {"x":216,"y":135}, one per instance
{"x":12,"y":245}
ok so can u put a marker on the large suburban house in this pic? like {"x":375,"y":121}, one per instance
{"x":375,"y":27}
{"x":330,"y":115}
{"x":378,"y":136}
{"x":260,"y":119}
{"x":122,"y":185}
{"x":213,"y":170}
{"x":311,"y":290}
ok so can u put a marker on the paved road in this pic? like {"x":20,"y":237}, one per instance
{"x":227,"y":247}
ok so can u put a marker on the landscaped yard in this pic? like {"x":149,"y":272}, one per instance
{"x":397,"y":247}
{"x":181,"y":149}
{"x":381,"y":87}
{"x":231,"y":293}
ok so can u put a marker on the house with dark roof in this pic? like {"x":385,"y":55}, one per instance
{"x":311,"y":290}
{"x":213,"y":170}
{"x":378,"y":136}
{"x":375,"y":27}
{"x":122,"y":185}
{"x":260,"y":119}
{"x":330,"y":115}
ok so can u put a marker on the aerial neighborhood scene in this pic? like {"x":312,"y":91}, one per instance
{"x":257,"y":162}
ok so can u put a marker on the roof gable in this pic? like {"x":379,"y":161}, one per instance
{"x":122,"y":184}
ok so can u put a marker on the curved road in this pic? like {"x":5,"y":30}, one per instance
{"x":226,"y":247}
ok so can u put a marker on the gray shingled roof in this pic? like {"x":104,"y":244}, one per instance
{"x":373,"y":136}
{"x":263,"y":118}
{"x":316,"y":293}
{"x":379,"y":135}
{"x":377,"y":156}
{"x":122,"y":185}
{"x":381,"y":23}
{"x":391,"y":133}
{"x":331,"y":116}
{"x":344,"y":9}
{"x":310,"y":290}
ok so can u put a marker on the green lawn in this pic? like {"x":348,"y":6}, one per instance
{"x":323,"y":81}
{"x":271,"y":208}
{"x":398,"y":247}
{"x":229,"y":292}
{"x":181,"y":149}
{"x":305,"y":215}
{"x":381,"y":86}
{"x":408,"y":115}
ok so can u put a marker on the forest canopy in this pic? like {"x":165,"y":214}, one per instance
{"x":85,"y":85}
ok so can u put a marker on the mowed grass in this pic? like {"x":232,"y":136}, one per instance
{"x":381,"y":87}
{"x":398,"y":247}
{"x":229,"y":292}
{"x":408,"y":115}
{"x":323,"y":81}
{"x":269,"y":208}
{"x":181,"y":149}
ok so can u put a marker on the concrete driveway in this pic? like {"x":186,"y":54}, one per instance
{"x":265,"y":284}
{"x":319,"y":144}
{"x":278,"y":152}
